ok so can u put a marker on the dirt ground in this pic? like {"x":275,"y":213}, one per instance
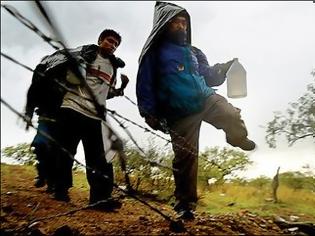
{"x":26,"y":210}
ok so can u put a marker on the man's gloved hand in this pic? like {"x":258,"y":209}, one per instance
{"x":224,"y":67}
{"x":152,"y":122}
{"x":28,"y":118}
{"x":124,"y":81}
{"x":118,"y":92}
{"x":157,"y":124}
{"x":227,"y":65}
{"x":113,"y":92}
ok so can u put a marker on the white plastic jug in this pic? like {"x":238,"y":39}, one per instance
{"x":236,"y":80}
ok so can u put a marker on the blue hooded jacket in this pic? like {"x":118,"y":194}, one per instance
{"x":173,"y":80}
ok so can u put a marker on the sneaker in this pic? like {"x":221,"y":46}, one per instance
{"x":184,"y":211}
{"x":185,"y":214}
{"x":62,"y":196}
{"x":50,"y":189}
{"x":179,"y":205}
{"x":246,"y":144}
{"x":39,"y":182}
{"x":108,"y":204}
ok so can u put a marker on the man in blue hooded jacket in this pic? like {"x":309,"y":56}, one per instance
{"x":174,"y":84}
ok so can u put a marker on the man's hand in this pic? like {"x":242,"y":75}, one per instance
{"x":28,"y":120}
{"x":120,"y":91}
{"x":227,"y":65}
{"x":113,"y":92}
{"x":124,"y":81}
{"x":223,"y":68}
{"x":152,"y":122}
{"x":157,"y":124}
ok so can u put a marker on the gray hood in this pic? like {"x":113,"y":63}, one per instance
{"x":163,"y":12}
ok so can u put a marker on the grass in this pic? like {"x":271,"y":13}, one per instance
{"x":215,"y":200}
{"x":79,"y":180}
{"x":295,"y":202}
{"x":20,"y":172}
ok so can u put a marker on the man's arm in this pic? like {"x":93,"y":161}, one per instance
{"x":146,"y":86}
{"x":146,"y":91}
{"x":213,"y":75}
{"x":114,"y":92}
{"x":34,"y":93}
{"x":31,"y":103}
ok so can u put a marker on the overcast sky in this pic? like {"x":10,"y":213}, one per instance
{"x":275,"y":42}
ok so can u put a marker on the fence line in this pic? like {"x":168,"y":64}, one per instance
{"x":75,"y":68}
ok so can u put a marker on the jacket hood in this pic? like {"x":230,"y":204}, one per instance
{"x":163,"y":13}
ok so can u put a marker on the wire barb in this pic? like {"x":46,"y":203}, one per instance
{"x":77,"y":71}
{"x":127,"y":192}
{"x":30,"y":25}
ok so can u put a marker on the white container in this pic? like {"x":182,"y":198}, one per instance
{"x":236,"y":80}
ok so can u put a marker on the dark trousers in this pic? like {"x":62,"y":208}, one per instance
{"x":46,"y":151}
{"x":76,"y":127}
{"x":185,"y":141}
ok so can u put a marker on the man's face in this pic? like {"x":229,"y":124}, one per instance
{"x":178,"y":23}
{"x":109,"y":45}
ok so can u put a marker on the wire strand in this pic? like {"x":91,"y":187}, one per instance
{"x":73,"y":61}
{"x":30,"y":25}
{"x":130,"y":194}
{"x":17,"y":15}
{"x":153,"y":163}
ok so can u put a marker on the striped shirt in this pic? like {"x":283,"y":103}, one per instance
{"x":98,"y":77}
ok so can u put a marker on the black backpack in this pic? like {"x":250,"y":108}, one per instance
{"x":46,"y":91}
{"x":49,"y":78}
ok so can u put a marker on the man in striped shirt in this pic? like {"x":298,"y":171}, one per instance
{"x":81,"y":119}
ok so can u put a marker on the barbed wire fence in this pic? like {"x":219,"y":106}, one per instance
{"x":184,"y":147}
{"x":31,"y":26}
{"x":114,"y":114}
{"x":46,"y":38}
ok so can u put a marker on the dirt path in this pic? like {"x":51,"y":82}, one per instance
{"x":22,"y":206}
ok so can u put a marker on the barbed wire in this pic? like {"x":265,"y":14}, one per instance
{"x":153,"y":163}
{"x":128,"y":193}
{"x":192,"y":150}
{"x":30,"y":25}
{"x":16,"y":14}
{"x":109,"y":110}
{"x":112,"y":113}
{"x":97,"y":107}
{"x":45,"y":134}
